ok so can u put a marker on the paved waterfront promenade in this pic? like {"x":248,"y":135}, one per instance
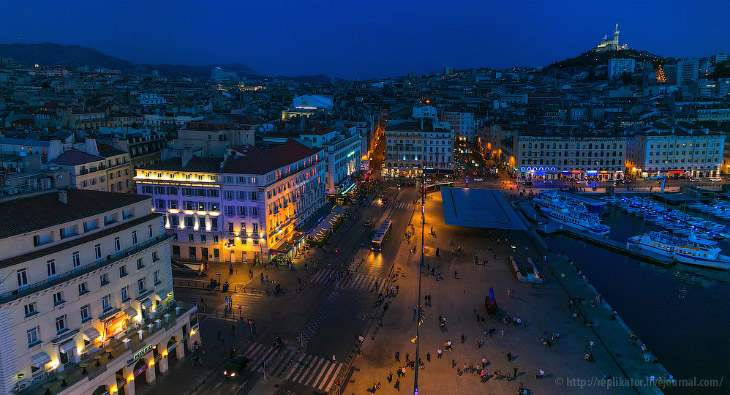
{"x":460,"y":297}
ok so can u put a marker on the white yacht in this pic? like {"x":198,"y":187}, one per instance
{"x":568,"y":212}
{"x":689,"y":250}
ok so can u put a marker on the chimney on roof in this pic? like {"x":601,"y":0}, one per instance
{"x":63,"y":196}
{"x":91,"y":147}
{"x":186,"y":156}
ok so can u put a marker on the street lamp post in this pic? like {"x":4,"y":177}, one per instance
{"x":418,"y":301}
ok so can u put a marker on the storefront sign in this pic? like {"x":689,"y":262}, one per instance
{"x":172,"y":347}
{"x":140,"y":370}
{"x":139,"y":354}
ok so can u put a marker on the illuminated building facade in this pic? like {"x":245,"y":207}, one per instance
{"x":88,"y":278}
{"x":245,"y":208}
{"x":676,"y":152}
{"x":554,"y":157}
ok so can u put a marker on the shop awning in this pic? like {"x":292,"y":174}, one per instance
{"x":131,"y":312}
{"x":161,"y":295}
{"x":91,"y":334}
{"x":146,"y":304}
{"x":68,"y":346}
{"x":40,"y":359}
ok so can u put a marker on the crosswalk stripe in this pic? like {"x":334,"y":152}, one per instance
{"x":296,"y":366}
{"x":276,"y":366}
{"x":314,"y":370}
{"x":332,"y":381}
{"x":299,"y":376}
{"x":262,"y":357}
{"x":252,"y":353}
{"x":328,"y":370}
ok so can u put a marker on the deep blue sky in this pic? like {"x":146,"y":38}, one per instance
{"x":366,"y":39}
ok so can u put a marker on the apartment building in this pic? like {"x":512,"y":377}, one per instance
{"x":87,"y":171}
{"x":676,"y":152}
{"x":537,"y":156}
{"x":212,"y":139}
{"x":342,"y":152}
{"x":461,"y":123}
{"x":414,"y":145}
{"x":87,"y":305}
{"x":187,"y":191}
{"x":246,"y":207}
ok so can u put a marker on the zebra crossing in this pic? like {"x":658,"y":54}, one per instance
{"x":293,"y":365}
{"x":243,"y":302}
{"x":350,"y":281}
{"x":395,"y":205}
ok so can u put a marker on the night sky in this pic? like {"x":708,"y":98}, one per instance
{"x":368,"y":39}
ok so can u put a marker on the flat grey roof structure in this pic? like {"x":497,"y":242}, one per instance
{"x":479,"y":208}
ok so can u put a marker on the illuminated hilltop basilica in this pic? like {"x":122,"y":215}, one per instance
{"x":612,"y":44}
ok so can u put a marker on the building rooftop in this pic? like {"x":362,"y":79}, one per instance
{"x":479,"y":208}
{"x":254,"y":160}
{"x":75,"y":158}
{"x":195,"y":164}
{"x":36,"y":212}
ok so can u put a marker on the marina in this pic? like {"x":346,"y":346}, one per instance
{"x":664,"y":301}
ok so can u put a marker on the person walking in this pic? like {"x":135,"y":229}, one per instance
{"x":509,"y":357}
{"x":439,"y":353}
{"x":515,"y":370}
{"x":428,"y":356}
{"x":463,"y":338}
{"x":502,"y":332}
{"x":397,"y":356}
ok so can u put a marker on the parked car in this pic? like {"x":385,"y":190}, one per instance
{"x":368,"y":223}
{"x":479,"y":179}
{"x":715,"y":179}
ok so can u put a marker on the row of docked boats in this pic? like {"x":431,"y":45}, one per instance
{"x":562,"y":209}
{"x":718,"y":209}
{"x":687,"y":239}
{"x":674,"y":221}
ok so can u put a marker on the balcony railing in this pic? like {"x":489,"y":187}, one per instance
{"x":41,"y":285}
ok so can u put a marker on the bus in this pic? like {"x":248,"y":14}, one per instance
{"x":437,"y":186}
{"x":380,"y":236}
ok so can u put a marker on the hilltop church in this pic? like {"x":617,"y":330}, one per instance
{"x":610,"y":44}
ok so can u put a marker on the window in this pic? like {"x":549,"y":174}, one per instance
{"x":125,"y":293}
{"x":61,"y":323}
{"x":174,"y":221}
{"x":255,"y":227}
{"x":76,"y":258}
{"x":254,"y":211}
{"x":51,"y":266}
{"x":201,"y":223}
{"x":140,"y":263}
{"x":140,"y":285}
{"x":173,"y":204}
{"x":104,"y":279}
{"x":33,"y":337}
{"x":106,"y":302}
{"x":230,"y":210}
{"x":241,"y":211}
{"x":58,"y":298}
{"x":134,"y":237}
{"x":254,"y":196}
{"x":189,"y":222}
{"x":230,"y":226}
{"x":30,"y":309}
{"x":191,"y":237}
{"x":85,"y":313}
{"x":155,"y":257}
{"x":156,"y":277}
{"x":123,"y":271}
{"x":83,"y":288}
{"x":243,"y":228}
{"x":117,"y":245}
{"x":202,"y":239}
{"x":97,"y":251}
{"x":149,"y":231}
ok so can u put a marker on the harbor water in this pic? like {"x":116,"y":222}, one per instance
{"x":682,"y":313}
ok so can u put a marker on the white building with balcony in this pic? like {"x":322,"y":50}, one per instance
{"x":690,"y":153}
{"x":87,"y":304}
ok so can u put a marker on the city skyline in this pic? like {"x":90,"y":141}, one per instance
{"x":386,"y":38}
